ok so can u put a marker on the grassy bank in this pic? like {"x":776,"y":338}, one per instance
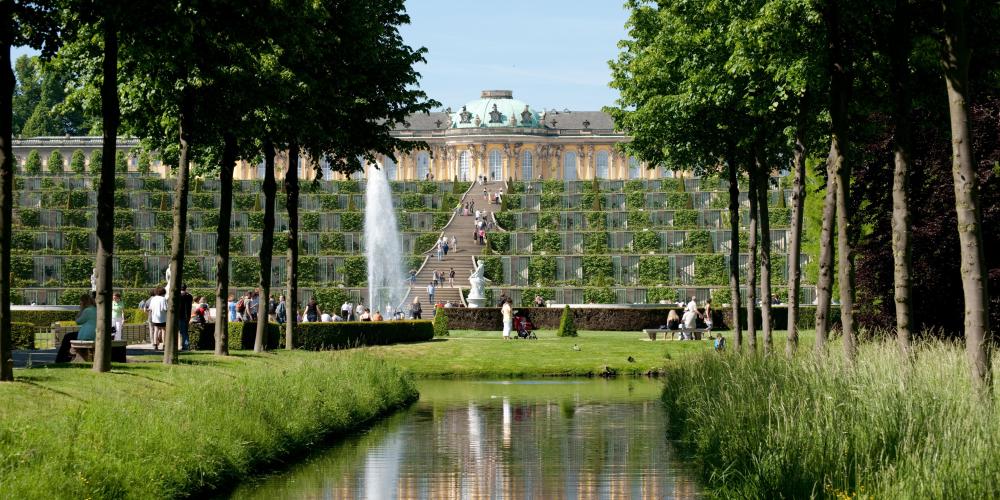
{"x":770,"y":427}
{"x":149,"y":431}
{"x":477,"y":354}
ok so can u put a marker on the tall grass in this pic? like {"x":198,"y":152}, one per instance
{"x":154,"y":431}
{"x":770,"y":427}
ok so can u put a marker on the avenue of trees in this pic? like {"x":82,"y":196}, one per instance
{"x":742,"y":89}
{"x":206,"y":83}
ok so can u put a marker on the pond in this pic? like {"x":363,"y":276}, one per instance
{"x":509,"y":439}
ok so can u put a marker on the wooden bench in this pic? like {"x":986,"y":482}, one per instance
{"x":675,"y":334}
{"x":83,"y":351}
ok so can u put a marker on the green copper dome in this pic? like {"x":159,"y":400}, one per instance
{"x":495,"y":108}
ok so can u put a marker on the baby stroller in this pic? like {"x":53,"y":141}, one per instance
{"x":524,"y":327}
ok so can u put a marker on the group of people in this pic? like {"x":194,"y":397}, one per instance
{"x":444,"y":245}
{"x":689,"y":320}
{"x":494,"y":197}
{"x":483,"y":224}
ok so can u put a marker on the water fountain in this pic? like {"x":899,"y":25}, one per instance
{"x":382,"y":246}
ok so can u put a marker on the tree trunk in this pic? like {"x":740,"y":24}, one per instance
{"x":824,"y":282}
{"x":765,"y":256}
{"x":977,"y":320}
{"x":795,"y":246}
{"x":6,"y":188}
{"x":292,"y":205}
{"x":752,"y":266}
{"x":222,"y":245}
{"x":734,"y":248}
{"x":840,"y":87}
{"x":899,"y":58}
{"x":269,"y":188}
{"x":106,"y":199}
{"x":179,"y":233}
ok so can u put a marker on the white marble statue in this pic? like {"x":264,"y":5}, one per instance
{"x":93,"y":280}
{"x":167,"y":275}
{"x":477,"y":281}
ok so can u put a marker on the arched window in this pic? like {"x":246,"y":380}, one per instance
{"x":463,"y":166}
{"x":526,"y":166}
{"x":602,"y":164}
{"x":569,"y":166}
{"x":390,"y":168}
{"x":324,"y":168}
{"x":496,"y":165}
{"x":633,"y":167}
{"x":423,"y":166}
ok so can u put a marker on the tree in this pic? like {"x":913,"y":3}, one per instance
{"x":955,"y":59}
{"x":269,"y":189}
{"x":56,"y":163}
{"x":78,"y":162}
{"x":440,"y":322}
{"x":144,"y":162}
{"x":96,"y":160}
{"x":33,"y":163}
{"x":566,"y":326}
{"x":121,"y":162}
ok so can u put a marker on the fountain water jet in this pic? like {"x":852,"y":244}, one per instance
{"x":382,"y":246}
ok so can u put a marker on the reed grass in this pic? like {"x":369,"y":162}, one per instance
{"x":146,"y":430}
{"x":768,"y":427}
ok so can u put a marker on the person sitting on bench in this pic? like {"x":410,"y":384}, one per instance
{"x":673,"y":320}
{"x":87,"y":319}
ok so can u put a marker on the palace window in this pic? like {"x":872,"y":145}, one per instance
{"x":390,"y":168}
{"x":633,"y":167}
{"x":526,"y":166}
{"x":496,"y":165}
{"x":423,"y":166}
{"x":463,"y":166}
{"x":602,"y":164}
{"x":569,"y":166}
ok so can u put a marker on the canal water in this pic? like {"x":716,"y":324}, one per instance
{"x":552,"y":439}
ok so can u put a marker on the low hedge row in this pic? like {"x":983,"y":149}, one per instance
{"x":23,"y":335}
{"x":316,"y":336}
{"x":41,"y":318}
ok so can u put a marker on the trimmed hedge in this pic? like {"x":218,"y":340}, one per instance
{"x":242,"y":336}
{"x":22,"y":335}
{"x":345,"y":334}
{"x":42,"y":318}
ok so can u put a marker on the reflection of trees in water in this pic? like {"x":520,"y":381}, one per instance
{"x":543,"y":449}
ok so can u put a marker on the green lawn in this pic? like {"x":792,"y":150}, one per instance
{"x":477,"y":354}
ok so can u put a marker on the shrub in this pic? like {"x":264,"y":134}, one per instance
{"x":710,"y":270}
{"x":597,"y":268}
{"x":243,"y":334}
{"x":685,"y":218}
{"x":204,"y":201}
{"x":308,"y":265}
{"x":346,"y":334}
{"x":56,"y":163}
{"x":512,"y":202}
{"x":164,"y":220}
{"x":28,"y":217}
{"x":546,"y":241}
{"x":500,"y":242}
{"x":593,"y":200}
{"x":331,"y":242}
{"x":132,"y":268}
{"x":22,"y":335}
{"x":427,"y":187}
{"x":440,"y":220}
{"x":124,"y":218}
{"x":126,"y":241}
{"x":505,"y":219}
{"x":551,"y":201}
{"x":210,"y":219}
{"x":78,"y":199}
{"x":603,"y":295}
{"x":21,"y":240}
{"x":96,"y":157}
{"x":698,"y":242}
{"x":153,"y":184}
{"x":552,"y":186}
{"x":33,"y":164}
{"x":779,"y":217}
{"x":654,"y":270}
{"x":595,"y":242}
{"x":42,"y":318}
{"x":331,"y":298}
{"x":244,"y":270}
{"x":425,"y":242}
{"x":721,"y":296}
{"x":636,"y":200}
{"x":78,"y":162}
{"x":77,"y":269}
{"x":675,"y":185}
{"x":350,"y":221}
{"x":236,"y":243}
{"x":566,"y":326}
{"x":548,"y":220}
{"x":645,"y":241}
{"x":349,"y":186}
{"x":440,"y":322}
{"x":596,"y":220}
{"x":355,"y":270}
{"x":636,"y":219}
{"x":22,"y":267}
{"x":677,"y":201}
{"x":255,"y":221}
{"x":121,"y":162}
{"x":244,"y":201}
{"x":144,"y":162}
{"x":656,"y":294}
{"x":493,"y":269}
{"x":528,"y":295}
{"x":122,"y":199}
{"x":542,"y":270}
{"x":411,"y":201}
{"x":635,"y":185}
{"x":309,"y":221}
{"x":76,"y":240}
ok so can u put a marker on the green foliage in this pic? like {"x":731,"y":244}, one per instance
{"x":566,"y":326}
{"x":244,"y":270}
{"x":425,"y":242}
{"x":96,"y":157}
{"x":122,"y":199}
{"x":654,"y":270}
{"x":505,"y":220}
{"x":210,"y":219}
{"x":603,"y":295}
{"x":193,"y":270}
{"x":355,"y":270}
{"x":124,"y":218}
{"x":635,"y":200}
{"x":597,"y":269}
{"x":493,"y":269}
{"x":330,"y":299}
{"x":21,"y":240}
{"x":351,"y":221}
{"x":499,"y":242}
{"x":528,"y":295}
{"x":144,"y":163}
{"x":309,"y":221}
{"x":411,"y":201}
{"x":593,"y":200}
{"x":635,"y":185}
{"x":426,"y":187}
{"x":341,"y":335}
{"x":308,"y":267}
{"x":153,"y":184}
{"x":126,"y":241}
{"x":331,"y":243}
{"x":22,"y":267}
{"x":244,"y":201}
{"x":22,"y":336}
{"x":595,"y":242}
{"x":512,"y":202}
{"x":699,"y":241}
{"x":596,"y":220}
{"x":721,"y":296}
{"x":710,"y":270}
{"x":661,"y":293}
{"x":685,"y":219}
{"x":551,"y":201}
{"x":349,"y":186}
{"x":121,"y":162}
{"x":441,"y":220}
{"x":672,"y":185}
{"x":164,"y":220}
{"x":548,"y":220}
{"x":56,"y":163}
{"x":546,"y":241}
{"x":33,"y":164}
{"x":779,"y":217}
{"x":42,"y":318}
{"x":553,"y":186}
{"x":28,"y":217}
{"x":236,"y":244}
{"x":645,"y":241}
{"x":677,"y":201}
{"x":76,"y":240}
{"x":243,"y":334}
{"x":542,"y":270}
{"x":203,"y":201}
{"x":516,"y":187}
{"x":132,"y":270}
{"x":77,"y":269}
{"x":637,"y":219}
{"x":440,"y":322}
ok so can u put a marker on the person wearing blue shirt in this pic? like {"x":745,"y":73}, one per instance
{"x":87,"y":319}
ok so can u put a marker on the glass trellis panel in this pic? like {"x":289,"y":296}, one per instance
{"x":496,"y":165}
{"x":519,"y":271}
{"x":633,"y":167}
{"x":569,"y":166}
{"x":526,"y":166}
{"x":423,"y":166}
{"x":390,"y":168}
{"x":602,"y":164}
{"x":684,"y":266}
{"x":463,"y":166}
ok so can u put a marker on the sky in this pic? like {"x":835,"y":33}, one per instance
{"x":552,"y":53}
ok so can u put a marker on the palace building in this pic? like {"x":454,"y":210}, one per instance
{"x":496,"y":135}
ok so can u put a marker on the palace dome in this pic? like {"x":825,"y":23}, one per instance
{"x":495,"y":108}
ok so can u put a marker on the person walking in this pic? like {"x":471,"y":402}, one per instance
{"x":508,"y":318}
{"x":444,"y":244}
{"x":359,"y":309}
{"x":430,"y":293}
{"x":440,"y":251}
{"x":313,"y":311}
{"x":231,"y":307}
{"x":281,"y":311}
{"x":454,"y":244}
{"x":415,"y":309}
{"x":158,"y":315}
{"x":451,"y":277}
{"x":117,"y":314}
{"x":707,"y":317}
{"x":345,"y":310}
{"x":187,"y":304}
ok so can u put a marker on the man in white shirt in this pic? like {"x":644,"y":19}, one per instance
{"x":692,"y":306}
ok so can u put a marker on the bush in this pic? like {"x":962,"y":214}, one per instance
{"x":21,"y":240}
{"x":42,"y":318}
{"x":499,"y":242}
{"x":505,"y":220}
{"x":603,"y":295}
{"x":685,"y":218}
{"x":331,"y":243}
{"x":144,"y":162}
{"x":244,"y":270}
{"x":346,"y":334}
{"x":566,"y":326}
{"x":355,"y":270}
{"x":56,"y":163}
{"x":351,"y":221}
{"x":595,"y":242}
{"x":596,"y":220}
{"x":542,"y":270}
{"x":654,"y":270}
{"x":74,"y":217}
{"x":552,"y":186}
{"x":309,"y":221}
{"x":710,"y":270}
{"x":126,"y":241}
{"x":645,"y":241}
{"x":636,"y":219}
{"x":33,"y":164}
{"x":635,"y":200}
{"x":77,"y":269}
{"x":597,"y":269}
{"x":76,"y":240}
{"x":678,"y":201}
{"x":779,"y":217}
{"x":124,"y":218}
{"x":330,"y":299}
{"x":78,"y":162}
{"x":96,"y":157}
{"x":349,"y":186}
{"x":546,"y":241}
{"x":308,"y":265}
{"x":243,"y":334}
{"x":202,"y":337}
{"x":440,"y":322}
{"x":425,"y":242}
{"x":551,"y":201}
{"x":655,"y":295}
{"x":698,"y":242}
{"x":22,"y":335}
{"x":121,"y":162}
{"x":22,"y":267}
{"x":28,"y":217}
{"x":721,"y":296}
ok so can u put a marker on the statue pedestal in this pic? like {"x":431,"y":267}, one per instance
{"x":477,"y":302}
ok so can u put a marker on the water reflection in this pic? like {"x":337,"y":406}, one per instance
{"x":464,"y":439}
